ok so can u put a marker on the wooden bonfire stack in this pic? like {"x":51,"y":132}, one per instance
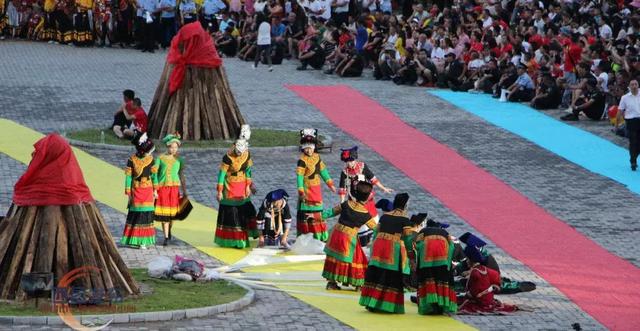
{"x":54,"y":227}
{"x":193,"y":96}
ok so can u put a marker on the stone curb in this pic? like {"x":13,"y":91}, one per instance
{"x":169,"y":315}
{"x":84,"y":144}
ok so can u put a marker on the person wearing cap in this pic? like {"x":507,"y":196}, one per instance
{"x":345,"y":262}
{"x":523,"y":88}
{"x":383,"y":289}
{"x":629,"y":107}
{"x":141,"y":184}
{"x":170,"y":180}
{"x":591,"y":104}
{"x":482,"y":284}
{"x":236,"y":213}
{"x":274,"y":219}
{"x":453,"y":72}
{"x":434,"y":269}
{"x":310,"y":173}
{"x":548,"y":94}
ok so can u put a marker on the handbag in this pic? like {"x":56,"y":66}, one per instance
{"x":184,"y":209}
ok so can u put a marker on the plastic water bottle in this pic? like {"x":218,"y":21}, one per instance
{"x":102,"y":137}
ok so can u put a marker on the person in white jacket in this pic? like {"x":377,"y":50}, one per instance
{"x":263,"y":42}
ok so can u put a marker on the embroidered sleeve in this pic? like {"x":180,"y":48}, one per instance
{"x":300,"y":175}
{"x":222,"y":174}
{"x":248,"y":171}
{"x":328,"y":213}
{"x":371,"y":224}
{"x":324,"y":173}
{"x":128,"y":179}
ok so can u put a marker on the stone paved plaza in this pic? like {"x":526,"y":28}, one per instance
{"x":61,"y":88}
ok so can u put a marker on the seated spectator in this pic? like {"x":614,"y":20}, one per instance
{"x":523,"y":89}
{"x":314,"y":56}
{"x":591,"y":104}
{"x":548,"y":94}
{"x":293,"y":34}
{"x":387,"y":65}
{"x":227,"y":44}
{"x":584,"y":76}
{"x":352,"y":65}
{"x":406,"y":74}
{"x":139,"y":119}
{"x":248,"y":50}
{"x":426,"y":72}
{"x":488,"y":79}
{"x":120,"y":118}
{"x":452,"y":74}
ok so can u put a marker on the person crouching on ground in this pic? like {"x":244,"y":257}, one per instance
{"x":120,"y":120}
{"x":274,"y":219}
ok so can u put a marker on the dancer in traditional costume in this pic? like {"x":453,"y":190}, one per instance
{"x":434,"y":249}
{"x":274,"y":219}
{"x":482,"y":284}
{"x":49,"y":29}
{"x":141,"y":186}
{"x":310,"y":172}
{"x":64,"y":25}
{"x":353,"y":172}
{"x":82,"y":34}
{"x":170,"y":181}
{"x":383,"y":286}
{"x":345,"y":262}
{"x":236,"y":213}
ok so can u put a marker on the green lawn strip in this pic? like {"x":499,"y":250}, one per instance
{"x":259,"y":138}
{"x":167,"y":295}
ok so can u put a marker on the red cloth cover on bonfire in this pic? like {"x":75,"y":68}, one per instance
{"x":53,"y":176}
{"x":198,"y":50}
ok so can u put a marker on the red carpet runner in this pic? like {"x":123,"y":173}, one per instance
{"x":602,"y":284}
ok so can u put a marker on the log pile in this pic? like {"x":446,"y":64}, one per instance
{"x":203,"y":108}
{"x":58,"y":239}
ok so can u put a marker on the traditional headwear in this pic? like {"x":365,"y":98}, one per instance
{"x":433,"y":224}
{"x":471,"y":240}
{"x":276,"y":195}
{"x":385,"y":205}
{"x":308,"y":138}
{"x":143,"y":144}
{"x":245,"y":132}
{"x":241,"y":146}
{"x":400,"y":201}
{"x":350,"y":154}
{"x":473,"y":254}
{"x":418,"y":218}
{"x":172,"y":138}
{"x":362,"y":191}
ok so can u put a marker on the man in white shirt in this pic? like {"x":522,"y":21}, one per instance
{"x":630,"y":107}
{"x":264,"y":43}
{"x":341,"y":12}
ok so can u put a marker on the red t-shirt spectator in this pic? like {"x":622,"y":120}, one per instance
{"x":572,"y":57}
{"x":477,"y":46}
{"x":141,"y":120}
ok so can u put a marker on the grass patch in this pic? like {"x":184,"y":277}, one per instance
{"x":259,"y":138}
{"x":167,"y":295}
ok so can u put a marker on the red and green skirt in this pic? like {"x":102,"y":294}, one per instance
{"x":312,"y":222}
{"x":383,"y":290}
{"x":167,"y":203}
{"x":139,"y":231}
{"x":235,"y":224}
{"x":347,"y":273}
{"x":436,"y":294}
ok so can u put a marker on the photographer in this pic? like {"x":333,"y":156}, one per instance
{"x":489,"y":78}
{"x":407,"y":75}
{"x":387,"y":65}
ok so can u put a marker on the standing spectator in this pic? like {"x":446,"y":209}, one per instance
{"x":264,"y":43}
{"x":188,"y":12}
{"x":150,"y":9}
{"x":341,"y":12}
{"x":572,"y":56}
{"x":210,"y":8}
{"x":630,"y":108}
{"x":168,"y":19}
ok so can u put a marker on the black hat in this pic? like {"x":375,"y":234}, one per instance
{"x":451,"y":54}
{"x":385,"y":205}
{"x":400,"y":201}
{"x":143,"y":143}
{"x":362,"y":191}
{"x":473,"y":254}
{"x":350,"y":154}
{"x":433,"y":224}
{"x":418,"y":218}
{"x":471,"y":240}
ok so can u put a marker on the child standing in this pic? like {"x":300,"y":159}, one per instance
{"x":170,"y":180}
{"x":263,"y":42}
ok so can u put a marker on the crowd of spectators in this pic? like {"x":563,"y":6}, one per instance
{"x":576,"y":55}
